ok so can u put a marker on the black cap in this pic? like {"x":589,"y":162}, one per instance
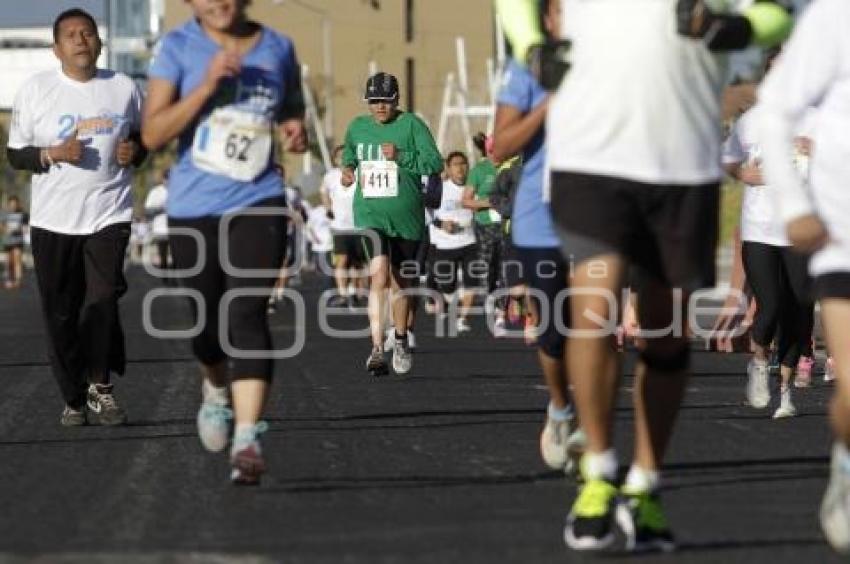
{"x":381,"y":86}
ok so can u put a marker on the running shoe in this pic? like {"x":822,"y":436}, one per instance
{"x":73,"y":417}
{"x":389,"y":341}
{"x":829,"y":370}
{"x":246,"y":456}
{"x":338,"y":301}
{"x":561,"y":444}
{"x":375,"y":364}
{"x":463,"y":325}
{"x":786,"y":407}
{"x":803,"y":377}
{"x":589,"y":523}
{"x":102,"y":406}
{"x":402,"y":359}
{"x":499,"y":329}
{"x":214,"y":419}
{"x":643,"y":523}
{"x":758,"y":386}
{"x":835,"y":507}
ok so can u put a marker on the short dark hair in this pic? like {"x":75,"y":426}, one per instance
{"x":72,"y":13}
{"x":454,"y":154}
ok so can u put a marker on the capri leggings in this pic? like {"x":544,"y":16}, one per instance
{"x":544,"y":269}
{"x":784,"y":311}
{"x":255,"y":242}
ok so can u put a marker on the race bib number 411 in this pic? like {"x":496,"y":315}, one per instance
{"x":379,"y":179}
{"x":233,"y":143}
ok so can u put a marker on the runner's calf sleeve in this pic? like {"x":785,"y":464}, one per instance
{"x":656,"y":361}
{"x":764,"y":24}
{"x":26,"y":158}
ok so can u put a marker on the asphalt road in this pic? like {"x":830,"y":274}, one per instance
{"x":440,"y":466}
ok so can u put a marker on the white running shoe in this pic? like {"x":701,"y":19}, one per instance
{"x":463,"y":325}
{"x":829,"y":370}
{"x":389,"y":342}
{"x":214,"y":425}
{"x":758,"y":385}
{"x":561,"y":444}
{"x":786,"y":408}
{"x":402,"y":359}
{"x":411,"y":340}
{"x":499,"y":329}
{"x":835,"y":507}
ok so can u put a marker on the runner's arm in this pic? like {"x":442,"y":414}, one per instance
{"x":799,"y":80}
{"x":26,"y":158}
{"x":469,"y":201}
{"x":425,"y":159}
{"x":513,"y":130}
{"x":164,"y":117}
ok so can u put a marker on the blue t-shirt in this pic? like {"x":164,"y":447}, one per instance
{"x":531,"y":221}
{"x":268,"y":84}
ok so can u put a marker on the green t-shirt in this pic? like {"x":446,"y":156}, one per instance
{"x":481,"y":178}
{"x":402,"y":215}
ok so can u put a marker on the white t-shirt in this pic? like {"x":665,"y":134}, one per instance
{"x":641,"y":102}
{"x":319,"y":230}
{"x":813,"y":70}
{"x":760,"y":219}
{"x":155,"y":204}
{"x":342,"y":199}
{"x":82,"y":198}
{"x":451,"y":208}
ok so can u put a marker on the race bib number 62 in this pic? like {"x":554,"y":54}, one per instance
{"x":379,"y":179}
{"x":233,"y":143}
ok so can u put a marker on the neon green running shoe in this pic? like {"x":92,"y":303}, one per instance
{"x":589,"y":523}
{"x":643,"y":523}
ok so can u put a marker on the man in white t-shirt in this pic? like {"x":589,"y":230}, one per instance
{"x":155,"y":213}
{"x":633,"y":142}
{"x":77,"y":128}
{"x":348,"y":253}
{"x":452,"y":233}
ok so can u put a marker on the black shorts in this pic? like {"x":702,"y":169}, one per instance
{"x":13,"y":246}
{"x":669,"y":231}
{"x":350,"y":245}
{"x":445,"y":264}
{"x":832,"y":285}
{"x":403,"y":253}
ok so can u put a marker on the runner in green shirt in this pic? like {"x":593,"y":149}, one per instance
{"x":488,"y":222}
{"x":386,"y":153}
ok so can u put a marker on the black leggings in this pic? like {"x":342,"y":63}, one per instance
{"x":780,"y":283}
{"x":255,"y":242}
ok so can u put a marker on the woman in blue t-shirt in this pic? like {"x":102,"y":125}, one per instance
{"x":520,"y":129}
{"x":222,"y":85}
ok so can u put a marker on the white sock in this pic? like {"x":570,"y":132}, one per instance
{"x":244,"y":432}
{"x":641,"y":480}
{"x":213,"y":394}
{"x":602,"y":465}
